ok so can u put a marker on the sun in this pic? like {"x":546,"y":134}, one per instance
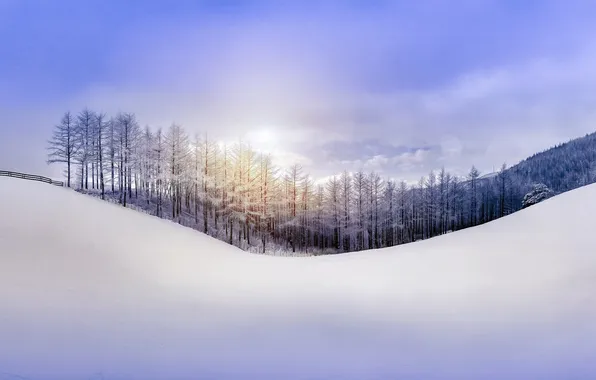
{"x":263,"y":139}
{"x":264,"y":136}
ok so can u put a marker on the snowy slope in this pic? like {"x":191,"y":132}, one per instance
{"x":89,"y":290}
{"x":488,"y":176}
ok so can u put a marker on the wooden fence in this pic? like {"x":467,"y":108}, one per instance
{"x":30,"y":177}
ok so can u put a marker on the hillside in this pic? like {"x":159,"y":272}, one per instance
{"x":562,"y":168}
{"x":91,"y":290}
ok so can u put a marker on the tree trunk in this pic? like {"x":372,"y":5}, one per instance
{"x":68,"y":172}
{"x":101,"y":179}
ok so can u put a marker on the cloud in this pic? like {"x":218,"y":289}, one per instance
{"x":487,"y":116}
{"x":397,"y":87}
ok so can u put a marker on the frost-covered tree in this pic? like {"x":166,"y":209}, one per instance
{"x":178,"y":152}
{"x":443,"y":199}
{"x":430,"y":204}
{"x":404,"y":213}
{"x":208,"y":176}
{"x":146,"y":161}
{"x":346,"y":209}
{"x":62,"y":147}
{"x":84,"y":134}
{"x":159,"y":154}
{"x":360,"y":184}
{"x":389,"y":225}
{"x":265,"y":215}
{"x":539,"y":193}
{"x":111,"y":151}
{"x":333,"y":211}
{"x":237,"y":194}
{"x":375,"y":189}
{"x":306,"y":196}
{"x":100,"y":128}
{"x":126,"y":130}
{"x":473,"y":195}
{"x":293,"y":179}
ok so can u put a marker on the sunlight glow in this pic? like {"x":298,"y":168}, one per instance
{"x":265,"y":136}
{"x":263,"y":139}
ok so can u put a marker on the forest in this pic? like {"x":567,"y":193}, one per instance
{"x":236,"y":194}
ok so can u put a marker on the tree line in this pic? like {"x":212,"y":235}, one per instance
{"x":236,"y":194}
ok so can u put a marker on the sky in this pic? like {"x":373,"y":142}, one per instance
{"x":398,"y":87}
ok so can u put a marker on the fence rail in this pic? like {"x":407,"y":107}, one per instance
{"x":30,"y":177}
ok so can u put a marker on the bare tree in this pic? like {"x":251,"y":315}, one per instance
{"x":293,"y":178}
{"x":346,"y":200}
{"x":84,"y":131}
{"x":443,"y":187}
{"x":112,"y":124}
{"x":502,"y":189}
{"x":100,"y":127}
{"x":430,"y":204}
{"x":473,"y":194}
{"x":333,"y":209}
{"x":389,"y":214}
{"x":62,"y":146}
{"x":159,"y":151}
{"x":178,"y":152}
{"x":375,"y":190}
{"x":360,"y":184}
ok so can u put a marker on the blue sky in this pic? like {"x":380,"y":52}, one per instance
{"x":401,"y":87}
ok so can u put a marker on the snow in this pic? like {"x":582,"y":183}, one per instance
{"x":90,"y":290}
{"x":488,"y":176}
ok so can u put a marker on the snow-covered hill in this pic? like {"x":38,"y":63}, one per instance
{"x":89,"y":290}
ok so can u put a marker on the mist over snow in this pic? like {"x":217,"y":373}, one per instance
{"x":130,"y":296}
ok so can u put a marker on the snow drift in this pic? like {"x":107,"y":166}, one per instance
{"x":89,"y":290}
